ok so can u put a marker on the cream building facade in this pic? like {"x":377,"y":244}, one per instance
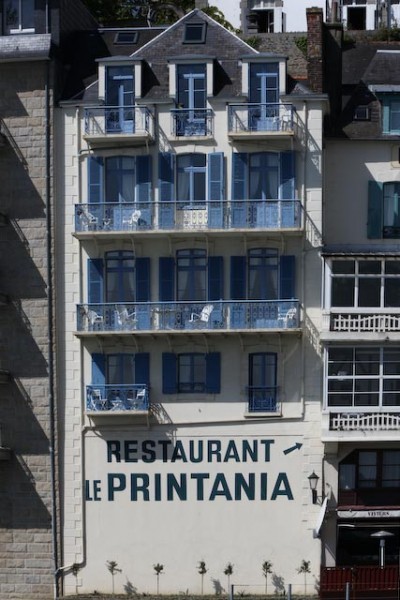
{"x":191,"y":227}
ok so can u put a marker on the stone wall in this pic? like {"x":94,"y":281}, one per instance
{"x":26,"y":553}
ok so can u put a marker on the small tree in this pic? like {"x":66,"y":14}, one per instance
{"x":228,"y":571}
{"x":158,"y":569}
{"x":267,"y":570}
{"x":304,"y":568}
{"x":202,"y":571}
{"x":112,"y":566}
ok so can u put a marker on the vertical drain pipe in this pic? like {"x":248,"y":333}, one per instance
{"x":50,"y":315}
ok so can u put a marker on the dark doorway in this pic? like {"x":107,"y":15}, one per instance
{"x":357,"y":18}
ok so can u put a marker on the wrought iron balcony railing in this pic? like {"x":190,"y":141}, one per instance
{"x":192,"y":122}
{"x":111,"y":120}
{"x":177,"y":216}
{"x":262,"y":118}
{"x":115,"y":398}
{"x":263,"y":399}
{"x":218,"y":315}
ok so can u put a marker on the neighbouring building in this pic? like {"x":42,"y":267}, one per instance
{"x":189,"y":233}
{"x":34,"y":38}
{"x":360,"y":333}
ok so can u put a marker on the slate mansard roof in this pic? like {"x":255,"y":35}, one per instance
{"x":156,"y":47}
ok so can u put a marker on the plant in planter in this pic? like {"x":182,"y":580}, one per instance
{"x":228,"y":571}
{"x":267,"y":570}
{"x":304,"y":568}
{"x":112,"y":566}
{"x":158,"y":568}
{"x":202,"y":570}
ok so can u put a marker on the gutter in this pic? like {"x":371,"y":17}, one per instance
{"x":50,"y":327}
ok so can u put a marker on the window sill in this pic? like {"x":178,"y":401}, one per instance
{"x":262,"y":415}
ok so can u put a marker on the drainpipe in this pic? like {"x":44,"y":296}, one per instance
{"x":50,"y":313}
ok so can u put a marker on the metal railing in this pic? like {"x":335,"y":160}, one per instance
{"x":112,"y":398}
{"x":112,"y":120}
{"x":262,"y":118}
{"x":192,"y":122}
{"x":218,"y":315}
{"x":263,"y":399}
{"x":177,"y":216}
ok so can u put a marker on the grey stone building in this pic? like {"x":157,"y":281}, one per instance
{"x":35,"y":36}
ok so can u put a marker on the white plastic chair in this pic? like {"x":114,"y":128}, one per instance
{"x":125,"y":319}
{"x":93,"y":319}
{"x":289,"y":317}
{"x":97,"y":402}
{"x":203,"y":316}
{"x":88,"y":221}
{"x":132,"y":219}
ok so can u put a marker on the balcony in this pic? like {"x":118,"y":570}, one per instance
{"x":116,"y":399}
{"x":192,"y":123}
{"x":354,"y":324}
{"x":362,"y":423}
{"x":133,"y":125}
{"x":263,"y":400}
{"x":229,"y":215}
{"x":262,"y":121}
{"x":184,"y":317}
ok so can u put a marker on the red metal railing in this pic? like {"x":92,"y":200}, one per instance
{"x":364,"y":582}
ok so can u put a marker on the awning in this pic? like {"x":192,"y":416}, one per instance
{"x":321,"y":517}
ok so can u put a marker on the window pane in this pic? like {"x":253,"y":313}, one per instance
{"x":340,"y":400}
{"x":392,"y":267}
{"x":369,"y":293}
{"x":343,"y":267}
{"x":392,"y":292}
{"x":369,"y":267}
{"x":342,"y":291}
{"x":347,"y":477}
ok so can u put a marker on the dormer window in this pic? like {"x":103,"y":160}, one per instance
{"x":195,"y":33}
{"x":19,"y":16}
{"x":391,"y":114}
{"x":120,"y":99}
{"x":126,"y":38}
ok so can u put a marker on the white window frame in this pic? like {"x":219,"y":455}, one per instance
{"x":20,"y":28}
{"x":330,"y":276}
{"x":344,"y":376}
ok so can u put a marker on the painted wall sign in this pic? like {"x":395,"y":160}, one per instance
{"x":203,"y":485}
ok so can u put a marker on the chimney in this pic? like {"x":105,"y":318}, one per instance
{"x":315,"y":66}
{"x":200,"y":4}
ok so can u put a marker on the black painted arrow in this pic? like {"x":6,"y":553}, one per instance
{"x":297,"y":446}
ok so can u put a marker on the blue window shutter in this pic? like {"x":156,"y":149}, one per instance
{"x":143,"y":178}
{"x":239,"y":176}
{"x":287,"y":183}
{"x":213,"y":373}
{"x":142,"y":368}
{"x":95,"y":179}
{"x":287,"y":277}
{"x":216,"y":176}
{"x":238,"y":277}
{"x":142,"y":273}
{"x":169,"y":383}
{"x":375,"y":209}
{"x":166,"y":164}
{"x":166,"y":278}
{"x":215,"y":278}
{"x":98,"y":369}
{"x":95,"y":283}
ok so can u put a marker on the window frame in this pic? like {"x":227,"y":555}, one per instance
{"x":354,"y":379}
{"x":201,"y":39}
{"x":197,"y":263}
{"x":383,"y":275}
{"x":195,"y":361}
{"x":120,"y":257}
{"x":20,"y":18}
